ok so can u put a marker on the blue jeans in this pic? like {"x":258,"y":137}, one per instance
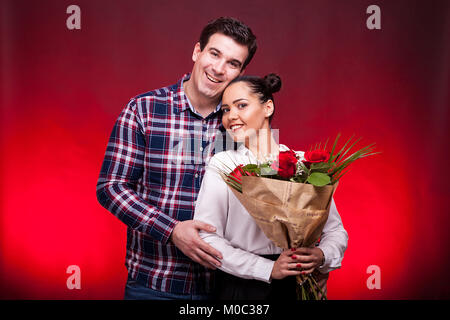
{"x":136,"y":291}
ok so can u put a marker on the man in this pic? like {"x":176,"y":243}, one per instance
{"x":154,"y":164}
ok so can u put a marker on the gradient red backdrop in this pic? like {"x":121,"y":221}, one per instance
{"x":63,"y":89}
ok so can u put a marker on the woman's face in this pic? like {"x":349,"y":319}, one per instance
{"x":243,"y":113}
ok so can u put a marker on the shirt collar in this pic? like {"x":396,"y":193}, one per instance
{"x":242,"y":149}
{"x":184,"y":103}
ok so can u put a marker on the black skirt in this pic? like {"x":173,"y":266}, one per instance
{"x":229,"y":287}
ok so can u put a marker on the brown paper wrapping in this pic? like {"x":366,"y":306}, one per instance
{"x":290,"y":214}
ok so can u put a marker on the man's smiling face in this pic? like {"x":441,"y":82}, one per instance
{"x":220,"y":62}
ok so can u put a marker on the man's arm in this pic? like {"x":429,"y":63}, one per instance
{"x":186,"y":237}
{"x":212,"y":208}
{"x":122,"y":167}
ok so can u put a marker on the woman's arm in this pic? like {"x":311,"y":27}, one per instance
{"x":212,"y":208}
{"x":330,"y":252}
{"x":333,"y":241}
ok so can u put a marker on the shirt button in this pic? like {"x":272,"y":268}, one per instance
{"x":196,"y":175}
{"x":201,"y":148}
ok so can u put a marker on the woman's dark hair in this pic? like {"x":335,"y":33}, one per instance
{"x":234,"y":29}
{"x":263,"y":87}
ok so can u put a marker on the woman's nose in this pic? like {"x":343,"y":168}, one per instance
{"x":233,"y":114}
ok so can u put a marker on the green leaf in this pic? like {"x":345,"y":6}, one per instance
{"x":250,"y":167}
{"x":268,"y":171}
{"x":325,"y":146}
{"x":350,"y":159}
{"x":332,"y":156}
{"x":321,"y":167}
{"x":318,"y":179}
{"x":339,"y":154}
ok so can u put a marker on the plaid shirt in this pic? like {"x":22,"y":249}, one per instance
{"x":150,"y":178}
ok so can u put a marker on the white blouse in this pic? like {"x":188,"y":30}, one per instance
{"x":238,"y":237}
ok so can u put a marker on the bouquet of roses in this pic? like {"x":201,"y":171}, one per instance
{"x":290,"y":197}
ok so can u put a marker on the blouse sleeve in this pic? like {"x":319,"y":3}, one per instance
{"x":212,"y":207}
{"x":333,"y":241}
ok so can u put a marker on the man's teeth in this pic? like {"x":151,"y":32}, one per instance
{"x":212,"y":79}
{"x":235,"y":127}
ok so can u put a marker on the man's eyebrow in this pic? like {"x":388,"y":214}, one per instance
{"x":233,"y":60}
{"x":215,"y":49}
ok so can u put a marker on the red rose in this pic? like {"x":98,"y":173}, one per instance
{"x":315,"y":156}
{"x":237,"y":173}
{"x":286,"y":166}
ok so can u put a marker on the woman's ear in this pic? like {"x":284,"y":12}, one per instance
{"x":269,"y":108}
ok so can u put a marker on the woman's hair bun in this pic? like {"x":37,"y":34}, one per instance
{"x":273,"y":83}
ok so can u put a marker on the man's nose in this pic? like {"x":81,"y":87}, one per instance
{"x":219,"y":67}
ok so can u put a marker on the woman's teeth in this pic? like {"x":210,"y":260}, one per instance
{"x":235,"y":127}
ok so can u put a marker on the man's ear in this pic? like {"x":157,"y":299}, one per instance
{"x":196,"y":52}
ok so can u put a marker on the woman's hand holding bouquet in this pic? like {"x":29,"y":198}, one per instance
{"x":292,"y":212}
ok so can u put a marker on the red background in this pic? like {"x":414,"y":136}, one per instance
{"x":63,"y":89}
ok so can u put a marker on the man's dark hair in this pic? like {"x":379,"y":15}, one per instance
{"x":234,"y":29}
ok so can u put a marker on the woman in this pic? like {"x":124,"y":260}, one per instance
{"x":253,"y":267}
